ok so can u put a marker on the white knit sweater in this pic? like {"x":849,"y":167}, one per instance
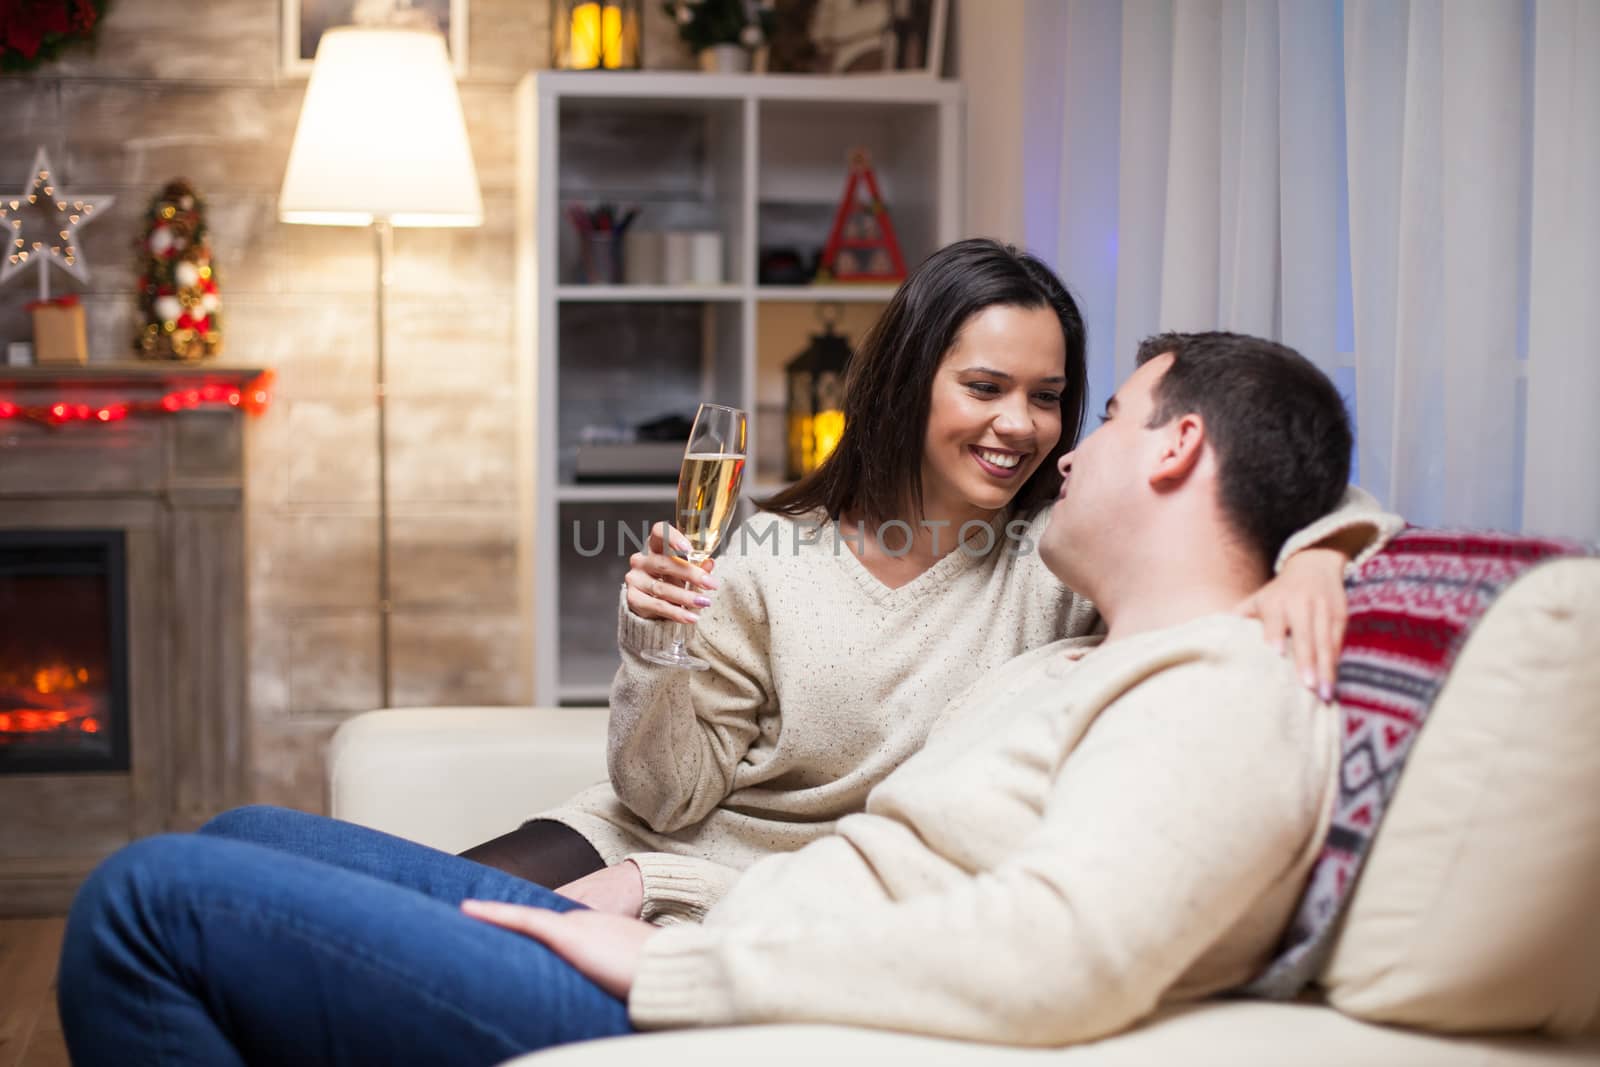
{"x":822,"y":681}
{"x":1084,"y":837}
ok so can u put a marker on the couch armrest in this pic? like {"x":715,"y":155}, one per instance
{"x":453,"y":777}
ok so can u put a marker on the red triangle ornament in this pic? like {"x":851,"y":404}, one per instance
{"x":861,"y":246}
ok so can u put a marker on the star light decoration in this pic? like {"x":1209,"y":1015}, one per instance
{"x":66,"y":213}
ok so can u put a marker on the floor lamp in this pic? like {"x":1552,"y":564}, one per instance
{"x":381,"y":143}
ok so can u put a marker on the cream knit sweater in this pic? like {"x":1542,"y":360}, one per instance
{"x":1085,"y":835}
{"x":823,"y":681}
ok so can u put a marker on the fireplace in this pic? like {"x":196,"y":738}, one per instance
{"x":63,"y":651}
{"x":122,"y":619}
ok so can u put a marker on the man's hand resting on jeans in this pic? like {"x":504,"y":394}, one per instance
{"x":604,"y":948}
{"x":616,"y":890}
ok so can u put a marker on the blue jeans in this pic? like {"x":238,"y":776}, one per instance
{"x":276,"y":937}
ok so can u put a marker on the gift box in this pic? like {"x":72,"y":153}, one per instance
{"x":60,"y":334}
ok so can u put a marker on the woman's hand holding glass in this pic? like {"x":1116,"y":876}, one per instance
{"x":664,"y":585}
{"x":708,"y":498}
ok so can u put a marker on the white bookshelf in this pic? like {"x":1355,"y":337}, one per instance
{"x":762,"y":160}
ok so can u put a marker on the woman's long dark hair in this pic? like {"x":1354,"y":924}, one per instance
{"x":876,"y":470}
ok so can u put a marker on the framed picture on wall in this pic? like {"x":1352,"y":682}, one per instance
{"x":858,"y":37}
{"x":305,"y":21}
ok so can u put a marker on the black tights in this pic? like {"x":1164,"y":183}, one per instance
{"x":541,"y":851}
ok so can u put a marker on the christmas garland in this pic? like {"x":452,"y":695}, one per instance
{"x":252,"y":398}
{"x":33,"y":32}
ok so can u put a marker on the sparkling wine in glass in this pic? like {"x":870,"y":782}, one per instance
{"x":708,"y":493}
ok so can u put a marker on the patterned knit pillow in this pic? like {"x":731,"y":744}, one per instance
{"x":1479,"y":906}
{"x":1412,"y":608}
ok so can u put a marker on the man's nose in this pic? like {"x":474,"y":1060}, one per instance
{"x":1064,"y":464}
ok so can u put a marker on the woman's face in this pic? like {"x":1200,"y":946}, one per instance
{"x":995,"y":412}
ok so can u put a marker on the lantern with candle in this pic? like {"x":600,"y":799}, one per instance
{"x":816,"y":396}
{"x":595,"y":34}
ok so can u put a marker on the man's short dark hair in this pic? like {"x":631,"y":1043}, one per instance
{"x":1278,"y":426}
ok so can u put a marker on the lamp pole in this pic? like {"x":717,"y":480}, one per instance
{"x":384,"y":233}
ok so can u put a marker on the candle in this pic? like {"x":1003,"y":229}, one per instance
{"x":585,"y":37}
{"x":596,"y":37}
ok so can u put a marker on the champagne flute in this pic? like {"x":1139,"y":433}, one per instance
{"x":708,"y":490}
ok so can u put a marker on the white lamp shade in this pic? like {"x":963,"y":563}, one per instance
{"x":381,"y":136}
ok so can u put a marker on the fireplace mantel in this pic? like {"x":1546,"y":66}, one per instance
{"x":174,"y":484}
{"x":123,"y":374}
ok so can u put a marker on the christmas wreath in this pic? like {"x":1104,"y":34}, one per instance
{"x":33,"y":32}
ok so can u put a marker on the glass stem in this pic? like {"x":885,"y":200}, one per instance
{"x":680,"y":631}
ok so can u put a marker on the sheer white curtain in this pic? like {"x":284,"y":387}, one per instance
{"x":1404,"y":190}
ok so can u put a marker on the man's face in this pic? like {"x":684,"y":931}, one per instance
{"x":1104,"y":477}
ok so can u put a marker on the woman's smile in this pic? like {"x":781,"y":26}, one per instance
{"x":998,"y":462}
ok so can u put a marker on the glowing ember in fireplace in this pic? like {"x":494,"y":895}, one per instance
{"x":52,"y":699}
{"x":52,"y":679}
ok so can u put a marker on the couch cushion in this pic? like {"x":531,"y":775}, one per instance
{"x":1477,"y":909}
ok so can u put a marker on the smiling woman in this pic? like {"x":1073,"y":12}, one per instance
{"x":839,"y":623}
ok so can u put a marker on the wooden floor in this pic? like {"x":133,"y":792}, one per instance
{"x":30,"y":1033}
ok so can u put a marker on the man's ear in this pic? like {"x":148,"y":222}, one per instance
{"x":1182,"y":443}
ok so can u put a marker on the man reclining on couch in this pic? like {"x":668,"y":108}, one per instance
{"x":1093,"y":829}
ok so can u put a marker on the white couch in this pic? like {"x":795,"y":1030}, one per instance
{"x":451,"y":777}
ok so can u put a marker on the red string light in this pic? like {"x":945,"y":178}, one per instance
{"x":252,"y":399}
